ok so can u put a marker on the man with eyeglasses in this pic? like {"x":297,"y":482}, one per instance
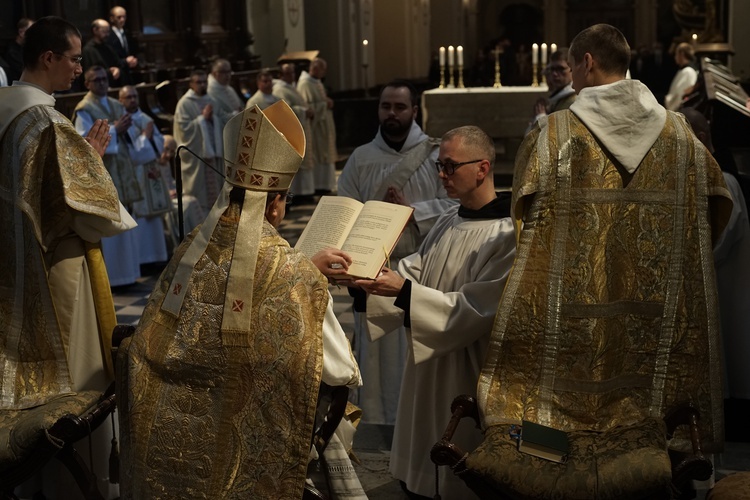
{"x":397,"y":166}
{"x":560,"y":84}
{"x":442,"y":300}
{"x":121,"y":251}
{"x":57,"y":314}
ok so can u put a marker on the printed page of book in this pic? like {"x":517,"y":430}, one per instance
{"x":329,"y":225}
{"x":376,"y":232}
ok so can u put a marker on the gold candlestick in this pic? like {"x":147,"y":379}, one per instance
{"x":497,"y":84}
{"x":461,"y":76}
{"x":535,"y":70}
{"x":442,"y":76}
{"x":451,"y":83}
{"x":544,"y":78}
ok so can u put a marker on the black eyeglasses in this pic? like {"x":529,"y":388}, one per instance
{"x":98,"y":79}
{"x":289,"y":198}
{"x":74,"y":59}
{"x":449,"y":167}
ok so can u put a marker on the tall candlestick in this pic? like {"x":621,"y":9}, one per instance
{"x":364,"y":52}
{"x":552,"y":49}
{"x":534,"y":53}
{"x":460,"y":54}
{"x":544,"y":54}
{"x":442,"y":56}
{"x":451,"y":57}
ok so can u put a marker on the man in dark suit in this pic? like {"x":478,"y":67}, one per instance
{"x":126,"y":47}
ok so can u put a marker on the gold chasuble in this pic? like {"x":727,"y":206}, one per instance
{"x":221,"y":379}
{"x":609,"y":316}
{"x":51,"y":180}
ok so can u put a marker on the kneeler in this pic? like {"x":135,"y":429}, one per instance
{"x":627,"y":462}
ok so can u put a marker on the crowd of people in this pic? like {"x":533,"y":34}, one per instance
{"x":487,"y":294}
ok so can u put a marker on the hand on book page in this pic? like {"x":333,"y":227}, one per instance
{"x":332,"y":262}
{"x":387,"y":284}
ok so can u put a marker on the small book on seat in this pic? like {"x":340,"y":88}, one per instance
{"x":543,"y":442}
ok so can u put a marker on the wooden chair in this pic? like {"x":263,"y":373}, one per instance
{"x":32,"y":437}
{"x":621,"y":463}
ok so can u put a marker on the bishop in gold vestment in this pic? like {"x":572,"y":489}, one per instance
{"x":221,"y":378}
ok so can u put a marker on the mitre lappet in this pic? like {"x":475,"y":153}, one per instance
{"x":262,"y":152}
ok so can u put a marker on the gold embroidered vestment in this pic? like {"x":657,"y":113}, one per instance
{"x":610,"y":313}
{"x":211,"y":417}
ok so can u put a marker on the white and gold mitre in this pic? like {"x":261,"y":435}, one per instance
{"x":263,"y":149}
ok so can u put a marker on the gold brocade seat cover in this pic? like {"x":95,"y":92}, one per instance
{"x":609,"y":316}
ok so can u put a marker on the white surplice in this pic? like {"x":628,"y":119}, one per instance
{"x":144,"y":153}
{"x":203,"y":137}
{"x":683,"y":80}
{"x":457,"y":278}
{"x":304,"y":182}
{"x":323,"y":131}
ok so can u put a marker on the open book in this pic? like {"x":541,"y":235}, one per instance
{"x":366,"y":231}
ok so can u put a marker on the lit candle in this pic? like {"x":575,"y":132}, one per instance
{"x":534,"y":53}
{"x":544,"y":54}
{"x":442,"y":57}
{"x":552,"y":49}
{"x":695,"y":38}
{"x":364,"y":52}
{"x":451,"y":59}
{"x":460,"y":54}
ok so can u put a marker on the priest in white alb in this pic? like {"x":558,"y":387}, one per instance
{"x":446,"y":296}
{"x":397,"y":166}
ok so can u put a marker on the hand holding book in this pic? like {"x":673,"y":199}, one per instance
{"x":387,"y":284}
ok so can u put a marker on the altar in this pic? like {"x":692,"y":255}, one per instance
{"x":504,"y":113}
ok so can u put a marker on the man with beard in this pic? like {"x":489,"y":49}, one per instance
{"x":197,"y":127}
{"x":398,"y":166}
